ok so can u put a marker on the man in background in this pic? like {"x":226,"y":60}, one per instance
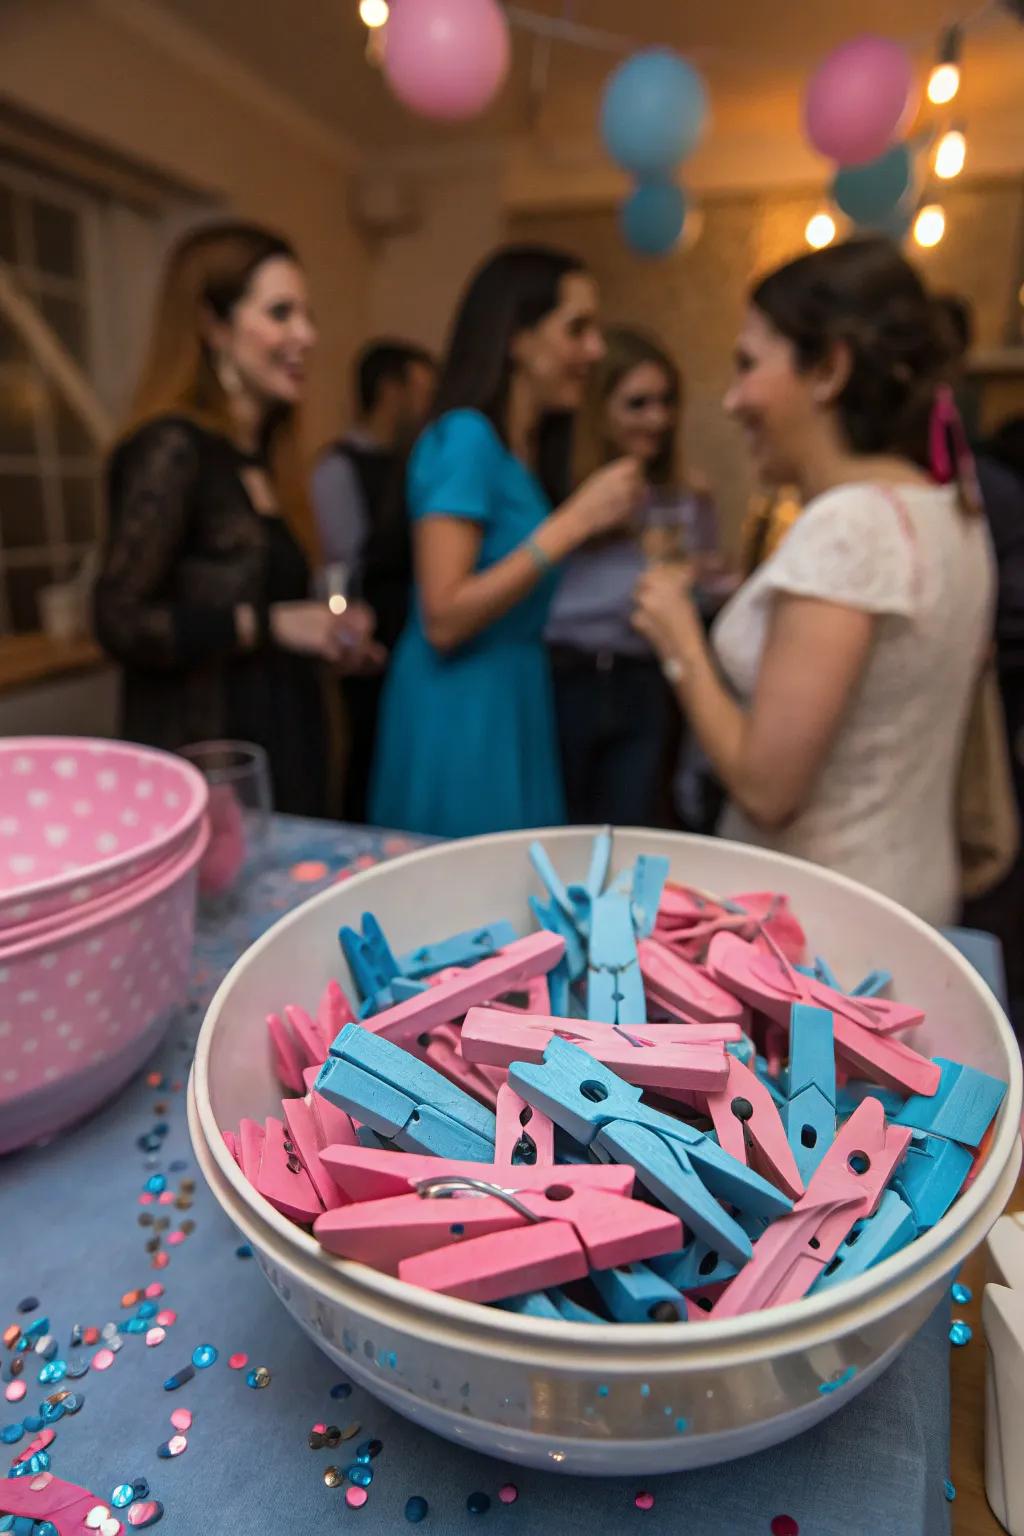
{"x":359,"y":501}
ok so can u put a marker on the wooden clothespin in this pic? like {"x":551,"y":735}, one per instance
{"x":282,"y":1179}
{"x":871,"y":1240}
{"x":649,"y":875}
{"x":462,"y":949}
{"x":615,"y":992}
{"x":402,"y":1099}
{"x":698,"y":1265}
{"x":961,"y":1110}
{"x":749,"y":1127}
{"x":810,"y":1114}
{"x":684,"y":991}
{"x":682,"y":1166}
{"x":304,"y":1137}
{"x":794,"y":1250}
{"x":369,"y":956}
{"x":524,"y":1136}
{"x":934,"y":1172}
{"x":441,"y":1048}
{"x":508,"y":971}
{"x":652,"y":1056}
{"x":640,"y":1294}
{"x":770,"y":984}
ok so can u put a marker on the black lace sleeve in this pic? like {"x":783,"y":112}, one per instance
{"x":140,"y":616}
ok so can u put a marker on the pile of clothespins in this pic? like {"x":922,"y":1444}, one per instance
{"x":649,"y":1110}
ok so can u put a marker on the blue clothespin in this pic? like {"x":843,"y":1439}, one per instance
{"x":686,"y":1169}
{"x":568,"y":902}
{"x":874,"y":983}
{"x":649,"y":875}
{"x":810,"y":1113}
{"x":533,"y":1304}
{"x":403,"y":1099}
{"x":638,"y":1294}
{"x":743,"y":1050}
{"x":551,"y":916}
{"x":820,"y":971}
{"x":399,"y":990}
{"x":855,"y":1090}
{"x":461,"y":949}
{"x":697,"y":1263}
{"x":615,"y":988}
{"x":571,"y":1310}
{"x":875,"y":1238}
{"x":369,"y":956}
{"x":930,"y":1177}
{"x":771,"y":1083}
{"x":600,"y":860}
{"x":963,"y":1108}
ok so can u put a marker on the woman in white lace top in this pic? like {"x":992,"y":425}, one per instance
{"x":850,"y":657}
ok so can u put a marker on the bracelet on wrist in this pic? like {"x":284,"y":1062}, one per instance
{"x":541,"y":559}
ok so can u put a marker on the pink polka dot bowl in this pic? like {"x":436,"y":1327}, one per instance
{"x":84,"y":1003}
{"x":79,"y":819}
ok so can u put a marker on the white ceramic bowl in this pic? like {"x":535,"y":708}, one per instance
{"x":570,"y":1396}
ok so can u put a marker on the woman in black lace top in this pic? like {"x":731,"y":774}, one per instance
{"x":203,"y":596}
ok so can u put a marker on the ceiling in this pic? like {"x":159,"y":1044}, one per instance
{"x":756,"y":57}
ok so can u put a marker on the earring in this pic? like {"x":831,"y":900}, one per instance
{"x":227,"y":374}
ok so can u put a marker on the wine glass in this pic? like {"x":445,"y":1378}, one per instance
{"x":240,"y":806}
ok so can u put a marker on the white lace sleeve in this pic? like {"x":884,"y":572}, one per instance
{"x":850,"y":546}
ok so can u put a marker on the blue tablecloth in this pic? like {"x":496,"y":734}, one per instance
{"x":70,"y":1236}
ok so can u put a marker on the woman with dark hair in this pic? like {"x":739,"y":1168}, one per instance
{"x":467,"y":739}
{"x":614,"y":708}
{"x":851,"y":656}
{"x":204,"y":586}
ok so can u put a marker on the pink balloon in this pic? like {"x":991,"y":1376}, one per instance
{"x":859,"y":99}
{"x":446,"y":58}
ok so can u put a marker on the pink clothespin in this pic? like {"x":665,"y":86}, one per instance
{"x":508,"y":971}
{"x":750,"y":1127}
{"x":251,"y":1136}
{"x":443,"y":1050}
{"x":683,"y":990}
{"x":285,"y":1055}
{"x":283,"y":1180}
{"x":689,"y":919}
{"x":769,"y":983}
{"x":368,"y":1175}
{"x":649,"y":1055}
{"x":312,"y":1041}
{"x":537,"y":1227}
{"x":847,"y":1186}
{"x":302,"y":1132}
{"x":333,"y":1127}
{"x":231,"y":1142}
{"x":334,"y":1012}
{"x":521,"y":1130}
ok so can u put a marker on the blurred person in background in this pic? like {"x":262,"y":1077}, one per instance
{"x":203,"y":590}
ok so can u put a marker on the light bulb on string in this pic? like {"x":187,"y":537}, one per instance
{"x":950,"y":154}
{"x":374,"y":13}
{"x":930,"y":225}
{"x":820,"y":231}
{"x":944,"y":80}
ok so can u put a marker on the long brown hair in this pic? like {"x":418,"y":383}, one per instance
{"x":209,"y":271}
{"x":626,"y":350}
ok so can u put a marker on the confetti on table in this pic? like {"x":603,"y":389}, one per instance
{"x":155,"y":1336}
{"x":784,"y":1525}
{"x":103,"y":1359}
{"x":166,"y":1318}
{"x":203,"y":1356}
{"x":181,"y":1418}
{"x":238,"y":1362}
{"x":356,"y":1497}
{"x":508,"y":1493}
{"x":949,"y":1489}
{"x":416,"y":1509}
{"x":960,"y":1333}
{"x":961,"y":1294}
{"x":644,"y":1501}
{"x":15,"y":1391}
{"x":478,"y":1503}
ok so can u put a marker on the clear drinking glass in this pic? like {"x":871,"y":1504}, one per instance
{"x":664,"y":536}
{"x":241,"y":804}
{"x":333,"y":584}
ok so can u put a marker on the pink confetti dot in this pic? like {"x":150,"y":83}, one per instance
{"x":103,"y":1359}
{"x":167,"y":1318}
{"x":43,"y":1480}
{"x":139,"y":1513}
{"x":644,"y":1501}
{"x":356,"y":1497}
{"x":176,"y":1444}
{"x":319,"y":1429}
{"x":174,"y":1238}
{"x":155,"y":1336}
{"x":145,"y":1198}
{"x":784,"y":1525}
{"x":181,"y":1418}
{"x":238,"y":1362}
{"x":508,"y":1494}
{"x":153,"y":1290}
{"x":15,"y":1391}
{"x":168,"y":1197}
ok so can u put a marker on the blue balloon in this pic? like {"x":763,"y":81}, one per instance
{"x":870,"y":194}
{"x":653,"y":112}
{"x":652,"y":217}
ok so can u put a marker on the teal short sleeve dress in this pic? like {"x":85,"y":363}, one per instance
{"x":467,"y":740}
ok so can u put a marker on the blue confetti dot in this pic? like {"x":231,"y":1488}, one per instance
{"x":147,"y":1310}
{"x":341,"y":1389}
{"x":179,"y":1165}
{"x":603,"y":1391}
{"x":682,"y":1425}
{"x":73,"y":1402}
{"x":33,"y":1423}
{"x":156,"y":1184}
{"x":360,"y":1473}
{"x":140,"y":1488}
{"x":838,"y":1381}
{"x":51,"y":1412}
{"x":645,"y":1390}
{"x":203,"y":1355}
{"x":960,"y":1333}
{"x":134,"y":1325}
{"x":243,"y":1251}
{"x":11,"y":1433}
{"x":949,"y":1489}
{"x":45,"y":1528}
{"x":28,"y":1303}
{"x":122,"y":1495}
{"x":55,"y":1370}
{"x":961,"y":1294}
{"x":478,"y":1503}
{"x":416,"y":1509}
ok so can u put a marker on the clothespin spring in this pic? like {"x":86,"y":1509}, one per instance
{"x":441,"y":1188}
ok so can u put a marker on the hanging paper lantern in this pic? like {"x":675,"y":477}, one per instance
{"x":870,"y":194}
{"x":446,"y":59}
{"x":652,"y":217}
{"x":653,"y":112}
{"x":859,"y":100}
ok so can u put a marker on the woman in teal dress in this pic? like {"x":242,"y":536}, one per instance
{"x":467,"y":740}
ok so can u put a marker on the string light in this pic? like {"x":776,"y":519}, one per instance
{"x":944,"y":80}
{"x":950,"y":154}
{"x":820,"y":231}
{"x":930,"y":226}
{"x":373,"y":13}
